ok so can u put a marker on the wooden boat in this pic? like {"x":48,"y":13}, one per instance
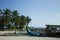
{"x":35,"y":31}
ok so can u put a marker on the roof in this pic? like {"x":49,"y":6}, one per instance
{"x":53,"y":25}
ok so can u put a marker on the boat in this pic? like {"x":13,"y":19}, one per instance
{"x":36,"y":31}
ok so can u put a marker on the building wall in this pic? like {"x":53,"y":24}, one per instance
{"x":53,"y":30}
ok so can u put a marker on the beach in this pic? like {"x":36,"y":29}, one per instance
{"x":5,"y":36}
{"x":27,"y":38}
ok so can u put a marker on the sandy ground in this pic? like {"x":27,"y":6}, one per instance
{"x":26,"y":38}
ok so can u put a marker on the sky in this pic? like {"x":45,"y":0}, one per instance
{"x":41,"y":12}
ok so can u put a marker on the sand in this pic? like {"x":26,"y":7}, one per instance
{"x":27,"y":38}
{"x":24,"y":37}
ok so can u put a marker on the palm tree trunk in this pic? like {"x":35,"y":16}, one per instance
{"x":15,"y":27}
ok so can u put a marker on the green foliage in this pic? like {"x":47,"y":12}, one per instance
{"x":13,"y":19}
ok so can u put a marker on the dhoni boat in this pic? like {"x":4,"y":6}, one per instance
{"x":35,"y":31}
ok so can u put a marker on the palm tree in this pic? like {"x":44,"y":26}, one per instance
{"x":0,"y":12}
{"x":28,"y":20}
{"x":22,"y":22}
{"x":15,"y":17}
{"x":6,"y":17}
{"x":1,"y":20}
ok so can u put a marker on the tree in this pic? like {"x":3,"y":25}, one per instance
{"x":22,"y":22}
{"x":12,"y":19}
{"x":15,"y":17}
{"x":27,"y":21}
{"x":6,"y":14}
